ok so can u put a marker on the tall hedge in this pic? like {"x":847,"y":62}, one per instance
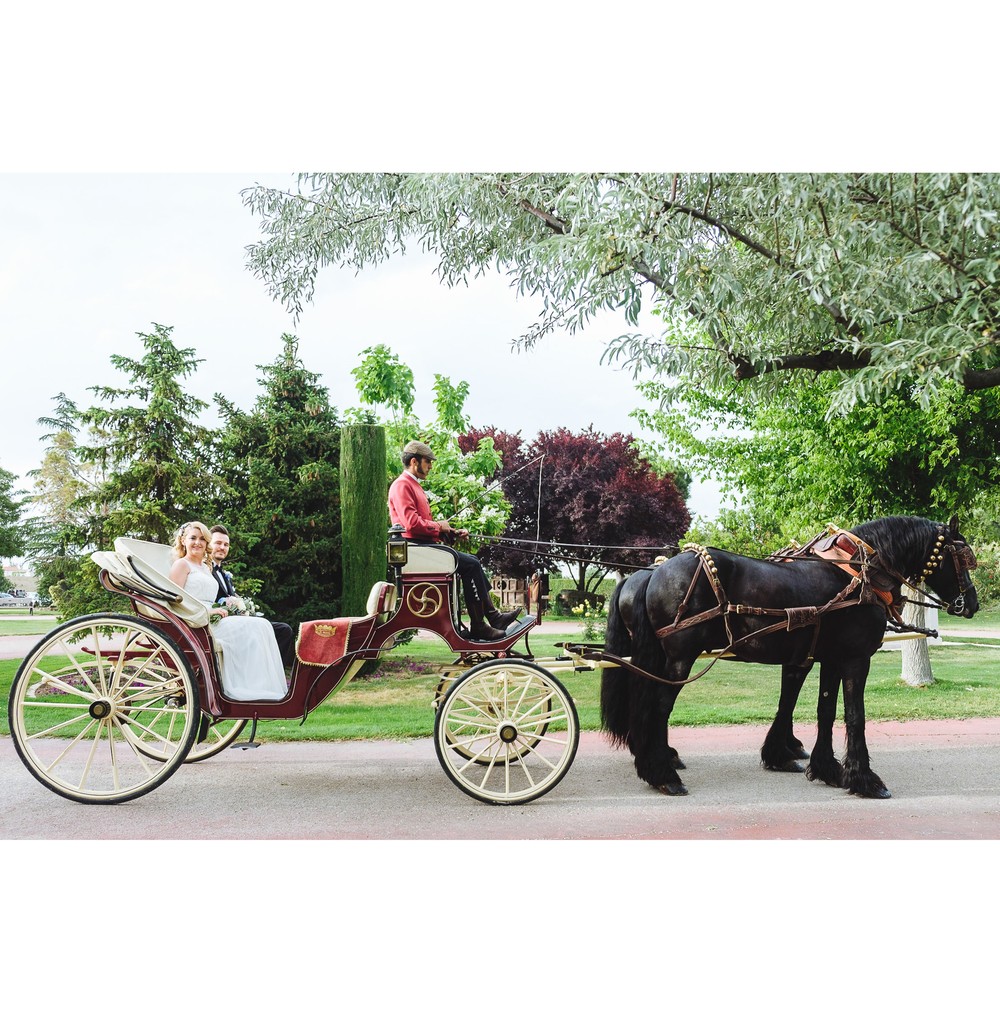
{"x":364,"y":512}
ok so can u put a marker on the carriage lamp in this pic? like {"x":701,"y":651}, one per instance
{"x":397,"y":552}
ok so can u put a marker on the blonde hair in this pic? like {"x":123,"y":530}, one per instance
{"x":179,"y":551}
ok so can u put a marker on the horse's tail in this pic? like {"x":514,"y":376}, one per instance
{"x":647,"y":649}
{"x":623,"y":693}
{"x":614,"y":682}
{"x":618,"y":638}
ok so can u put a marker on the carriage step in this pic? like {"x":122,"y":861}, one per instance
{"x":250,"y":742}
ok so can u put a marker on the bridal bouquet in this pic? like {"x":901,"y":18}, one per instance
{"x":237,"y":605}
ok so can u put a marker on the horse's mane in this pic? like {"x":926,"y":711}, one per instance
{"x":902,"y":542}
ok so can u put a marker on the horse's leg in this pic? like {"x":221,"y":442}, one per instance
{"x":656,"y":762}
{"x":858,"y":776}
{"x":781,"y":747}
{"x":823,"y":764}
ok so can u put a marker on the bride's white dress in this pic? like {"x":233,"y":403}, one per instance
{"x":251,"y":664}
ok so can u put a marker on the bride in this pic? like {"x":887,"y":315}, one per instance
{"x":251,"y":664}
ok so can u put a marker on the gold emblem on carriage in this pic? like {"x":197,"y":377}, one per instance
{"x":424,"y":600}
{"x":324,"y":631}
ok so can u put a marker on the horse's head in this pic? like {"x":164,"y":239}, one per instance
{"x":947,"y":571}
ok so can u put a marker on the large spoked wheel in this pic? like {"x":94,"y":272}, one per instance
{"x":506,"y":732}
{"x":91,"y":699}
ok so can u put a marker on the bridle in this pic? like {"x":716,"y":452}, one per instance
{"x":962,"y":557}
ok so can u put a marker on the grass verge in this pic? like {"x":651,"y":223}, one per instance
{"x":398,"y":702}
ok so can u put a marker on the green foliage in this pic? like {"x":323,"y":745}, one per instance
{"x":147,"y":445}
{"x":277,"y":467}
{"x":71,"y":580}
{"x":987,"y":575}
{"x":133,"y":465}
{"x":885,"y":280}
{"x":382,"y":379}
{"x":795,"y":465}
{"x":11,"y":536}
{"x":741,"y":531}
{"x":457,"y":487}
{"x":364,"y":512}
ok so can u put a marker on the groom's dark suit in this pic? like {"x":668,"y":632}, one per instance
{"x":225,"y":581}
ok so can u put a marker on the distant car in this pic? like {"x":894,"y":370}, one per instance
{"x":6,"y":600}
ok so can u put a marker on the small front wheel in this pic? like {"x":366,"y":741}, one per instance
{"x":89,"y":702}
{"x":506,"y":732}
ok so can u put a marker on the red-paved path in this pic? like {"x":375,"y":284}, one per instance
{"x":943,"y":775}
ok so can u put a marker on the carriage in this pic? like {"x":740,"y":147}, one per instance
{"x":108,"y":706}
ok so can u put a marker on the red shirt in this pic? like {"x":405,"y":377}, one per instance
{"x":408,"y":506}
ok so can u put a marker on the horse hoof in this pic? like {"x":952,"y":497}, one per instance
{"x":799,"y":752}
{"x":673,"y":789}
{"x":791,"y":766}
{"x":676,"y":763}
{"x":880,"y":793}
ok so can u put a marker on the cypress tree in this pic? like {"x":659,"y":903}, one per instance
{"x":364,"y":513}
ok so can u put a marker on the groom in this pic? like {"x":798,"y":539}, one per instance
{"x":218,"y":549}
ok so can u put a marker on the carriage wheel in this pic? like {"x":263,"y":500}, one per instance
{"x":157,"y":737}
{"x":90,"y":699}
{"x":471,"y":750}
{"x":507,"y":732}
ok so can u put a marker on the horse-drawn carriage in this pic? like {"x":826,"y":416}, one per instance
{"x":108,"y":706}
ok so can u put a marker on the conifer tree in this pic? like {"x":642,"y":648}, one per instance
{"x":364,"y":511}
{"x":278,"y":466}
{"x":149,"y":445}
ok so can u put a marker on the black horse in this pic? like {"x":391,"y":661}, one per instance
{"x":790,"y":610}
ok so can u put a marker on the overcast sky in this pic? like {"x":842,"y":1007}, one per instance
{"x":87,"y":261}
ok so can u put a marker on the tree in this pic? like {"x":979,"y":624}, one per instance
{"x":797,"y":466}
{"x":278,"y":469}
{"x":148,"y":444}
{"x":457,"y":486}
{"x":758,"y":280}
{"x":136,"y":467}
{"x":61,"y":529}
{"x":364,"y":512}
{"x":11,"y":539}
{"x":586,"y":495}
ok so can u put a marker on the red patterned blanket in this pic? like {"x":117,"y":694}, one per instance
{"x":321,"y":643}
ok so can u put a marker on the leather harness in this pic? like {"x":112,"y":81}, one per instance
{"x":845,"y":550}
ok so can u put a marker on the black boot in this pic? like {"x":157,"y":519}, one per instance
{"x":501,"y":619}
{"x":479,"y":629}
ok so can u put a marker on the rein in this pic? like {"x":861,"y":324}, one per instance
{"x":535,"y":550}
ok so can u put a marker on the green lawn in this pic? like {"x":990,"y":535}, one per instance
{"x":398,"y":702}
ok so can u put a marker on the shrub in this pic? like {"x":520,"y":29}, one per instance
{"x":987,"y":575}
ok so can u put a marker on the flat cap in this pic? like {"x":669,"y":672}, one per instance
{"x":414,"y":448}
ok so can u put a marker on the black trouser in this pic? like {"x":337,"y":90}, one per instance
{"x":475,"y":586}
{"x":286,"y":644}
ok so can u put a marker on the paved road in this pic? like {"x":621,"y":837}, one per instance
{"x":943,"y":776}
